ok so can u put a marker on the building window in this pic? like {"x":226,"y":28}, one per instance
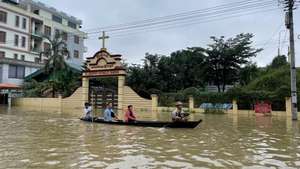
{"x":57,"y":18}
{"x":72,"y":24}
{"x":2,"y":37}
{"x":76,"y":54}
{"x":36,"y":11}
{"x":24,"y":23}
{"x":23,"y":57}
{"x":17,"y":72}
{"x":23,"y":41}
{"x":16,"y":40}
{"x":2,"y":54}
{"x":46,"y":46}
{"x":65,"y":36}
{"x":47,"y":31}
{"x":3,"y":16}
{"x":76,"y":39}
{"x":17,"y":21}
{"x":16,"y":56}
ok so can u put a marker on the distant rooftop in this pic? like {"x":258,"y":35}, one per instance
{"x":50,"y":10}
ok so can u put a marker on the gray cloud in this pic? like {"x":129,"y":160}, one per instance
{"x":98,"y":13}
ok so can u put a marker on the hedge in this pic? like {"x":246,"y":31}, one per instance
{"x":245,"y":99}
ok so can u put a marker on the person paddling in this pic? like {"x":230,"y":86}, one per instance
{"x":129,"y":115}
{"x":178,"y":114}
{"x":87,"y":111}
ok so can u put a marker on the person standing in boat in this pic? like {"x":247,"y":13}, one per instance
{"x":129,"y":115}
{"x":87,"y":111}
{"x":178,"y":115}
{"x":109,"y":114}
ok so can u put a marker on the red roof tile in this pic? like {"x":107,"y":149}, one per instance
{"x":9,"y":86}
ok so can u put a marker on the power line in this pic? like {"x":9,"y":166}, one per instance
{"x":160,"y":21}
{"x":278,"y":29}
{"x":183,"y":14}
{"x":230,"y":10}
{"x":285,"y":38}
{"x":183,"y":24}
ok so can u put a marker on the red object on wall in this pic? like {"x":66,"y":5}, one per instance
{"x":263,"y":107}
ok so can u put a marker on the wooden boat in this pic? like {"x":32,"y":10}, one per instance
{"x":161,"y":124}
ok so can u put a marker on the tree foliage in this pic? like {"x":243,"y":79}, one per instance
{"x":226,"y":58}
{"x":223,"y":63}
{"x":168,"y":74}
{"x":61,"y":78}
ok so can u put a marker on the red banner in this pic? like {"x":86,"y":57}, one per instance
{"x":262,"y":108}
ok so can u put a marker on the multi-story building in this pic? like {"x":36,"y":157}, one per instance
{"x":23,"y":27}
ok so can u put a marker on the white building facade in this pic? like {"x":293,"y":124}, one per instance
{"x":23,"y":26}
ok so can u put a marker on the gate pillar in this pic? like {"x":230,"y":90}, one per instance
{"x":85,"y":90}
{"x":121,"y":83}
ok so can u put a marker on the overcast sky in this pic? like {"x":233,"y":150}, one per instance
{"x":98,"y":13}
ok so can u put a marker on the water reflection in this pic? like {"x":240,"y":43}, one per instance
{"x":49,"y":140}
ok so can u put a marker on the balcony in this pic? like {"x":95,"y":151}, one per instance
{"x":37,"y":34}
{"x":37,"y":28}
{"x":36,"y":50}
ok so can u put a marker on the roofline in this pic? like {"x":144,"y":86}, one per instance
{"x":52,"y":10}
{"x":42,"y":70}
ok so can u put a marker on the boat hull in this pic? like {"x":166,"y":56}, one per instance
{"x":160,"y":124}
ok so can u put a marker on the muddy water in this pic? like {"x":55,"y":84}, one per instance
{"x":49,"y":140}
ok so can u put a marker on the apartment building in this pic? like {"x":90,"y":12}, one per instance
{"x":23,"y":27}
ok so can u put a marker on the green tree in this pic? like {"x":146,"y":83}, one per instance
{"x":61,"y":79}
{"x":248,"y":73}
{"x":188,"y":68}
{"x":55,"y":54}
{"x":225,"y":59}
{"x":278,"y":62}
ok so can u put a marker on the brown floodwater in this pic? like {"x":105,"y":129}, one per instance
{"x":51,"y":140}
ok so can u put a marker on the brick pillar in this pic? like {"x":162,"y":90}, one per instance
{"x":154,"y":99}
{"x":191,"y":103}
{"x":234,"y":107}
{"x":288,"y":106}
{"x":121,"y":83}
{"x":85,"y":90}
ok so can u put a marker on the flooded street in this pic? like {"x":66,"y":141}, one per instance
{"x":49,"y":140}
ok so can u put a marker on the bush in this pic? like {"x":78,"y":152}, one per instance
{"x":246,"y":99}
{"x":209,"y":97}
{"x":154,"y":91}
{"x":191,"y":91}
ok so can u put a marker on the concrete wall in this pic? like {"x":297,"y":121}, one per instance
{"x":139,"y":103}
{"x":72,"y":104}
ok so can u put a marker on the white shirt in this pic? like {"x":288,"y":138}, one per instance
{"x":88,"y":111}
{"x":177,"y":113}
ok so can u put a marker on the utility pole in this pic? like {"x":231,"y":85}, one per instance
{"x":289,"y":6}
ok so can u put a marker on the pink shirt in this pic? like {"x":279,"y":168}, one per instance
{"x":129,"y":116}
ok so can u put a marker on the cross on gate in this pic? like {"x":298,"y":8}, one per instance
{"x":103,"y":39}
